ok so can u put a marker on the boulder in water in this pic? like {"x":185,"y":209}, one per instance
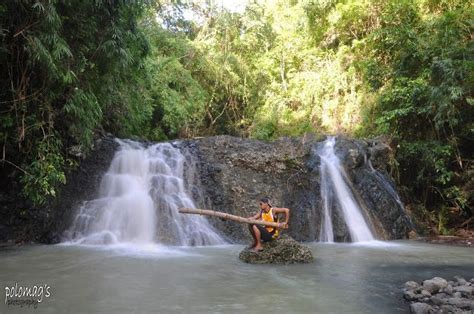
{"x":284,"y":250}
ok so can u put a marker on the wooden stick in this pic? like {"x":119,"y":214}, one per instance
{"x":208,"y":212}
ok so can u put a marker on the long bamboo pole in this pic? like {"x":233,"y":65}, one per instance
{"x":208,"y":212}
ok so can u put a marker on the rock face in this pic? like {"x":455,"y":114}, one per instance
{"x":237,"y":172}
{"x":284,"y":250}
{"x":437,"y":295}
{"x":367,"y":164}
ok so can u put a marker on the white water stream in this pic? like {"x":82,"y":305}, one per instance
{"x":139,"y":199}
{"x":335,"y":189}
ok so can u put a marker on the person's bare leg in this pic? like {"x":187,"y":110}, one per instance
{"x":258,"y":246}
{"x":253,"y":236}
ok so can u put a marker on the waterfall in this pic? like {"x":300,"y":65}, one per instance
{"x":327,"y":233}
{"x":138,"y":201}
{"x":335,"y":189}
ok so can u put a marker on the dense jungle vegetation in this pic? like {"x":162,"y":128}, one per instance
{"x":71,"y":70}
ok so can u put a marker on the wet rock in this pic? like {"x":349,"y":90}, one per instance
{"x":420,"y":308}
{"x":460,"y":303}
{"x":460,"y":280}
{"x":437,"y":300}
{"x":448,"y":289}
{"x":284,"y":250}
{"x":442,"y":295}
{"x":412,"y":235}
{"x":465,"y":291}
{"x":445,"y":309}
{"x":380,"y":152}
{"x":410,"y":295}
{"x":457,"y":299}
{"x":411,"y":285}
{"x":276,"y":169}
{"x":435,"y":284}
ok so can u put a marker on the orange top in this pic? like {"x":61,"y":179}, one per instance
{"x":268,"y":217}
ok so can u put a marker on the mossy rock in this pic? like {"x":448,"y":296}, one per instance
{"x":284,"y":250}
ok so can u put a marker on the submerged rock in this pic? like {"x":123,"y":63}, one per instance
{"x":284,"y":250}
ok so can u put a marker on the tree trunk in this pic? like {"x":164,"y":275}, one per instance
{"x":208,"y":212}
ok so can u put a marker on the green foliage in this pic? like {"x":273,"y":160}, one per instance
{"x":177,"y":97}
{"x":364,"y":68}
{"x":419,"y":63}
{"x":425,"y":164}
{"x":69,"y":70}
{"x":84,"y":110}
{"x":45,"y":173}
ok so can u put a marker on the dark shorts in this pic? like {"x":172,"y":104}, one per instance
{"x":264,"y":234}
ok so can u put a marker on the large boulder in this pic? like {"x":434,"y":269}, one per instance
{"x":284,"y":250}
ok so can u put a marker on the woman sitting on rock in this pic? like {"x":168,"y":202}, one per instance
{"x":266,"y":234}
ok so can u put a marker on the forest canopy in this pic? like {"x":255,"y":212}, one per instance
{"x":158,"y":70}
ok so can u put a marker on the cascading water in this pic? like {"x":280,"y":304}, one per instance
{"x":335,"y":189}
{"x":327,"y":233}
{"x":139,"y":199}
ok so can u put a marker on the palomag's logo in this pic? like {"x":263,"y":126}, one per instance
{"x":26,"y":295}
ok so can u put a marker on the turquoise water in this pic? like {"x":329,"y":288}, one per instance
{"x":345,"y":278}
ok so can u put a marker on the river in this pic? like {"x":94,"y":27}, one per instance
{"x":353,"y":278}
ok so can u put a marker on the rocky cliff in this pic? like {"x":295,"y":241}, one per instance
{"x":237,"y":172}
{"x":234,"y":173}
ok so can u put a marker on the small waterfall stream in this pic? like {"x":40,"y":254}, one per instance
{"x":139,"y":199}
{"x":334,"y":189}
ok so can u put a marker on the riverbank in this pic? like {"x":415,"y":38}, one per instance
{"x":462,"y":237}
